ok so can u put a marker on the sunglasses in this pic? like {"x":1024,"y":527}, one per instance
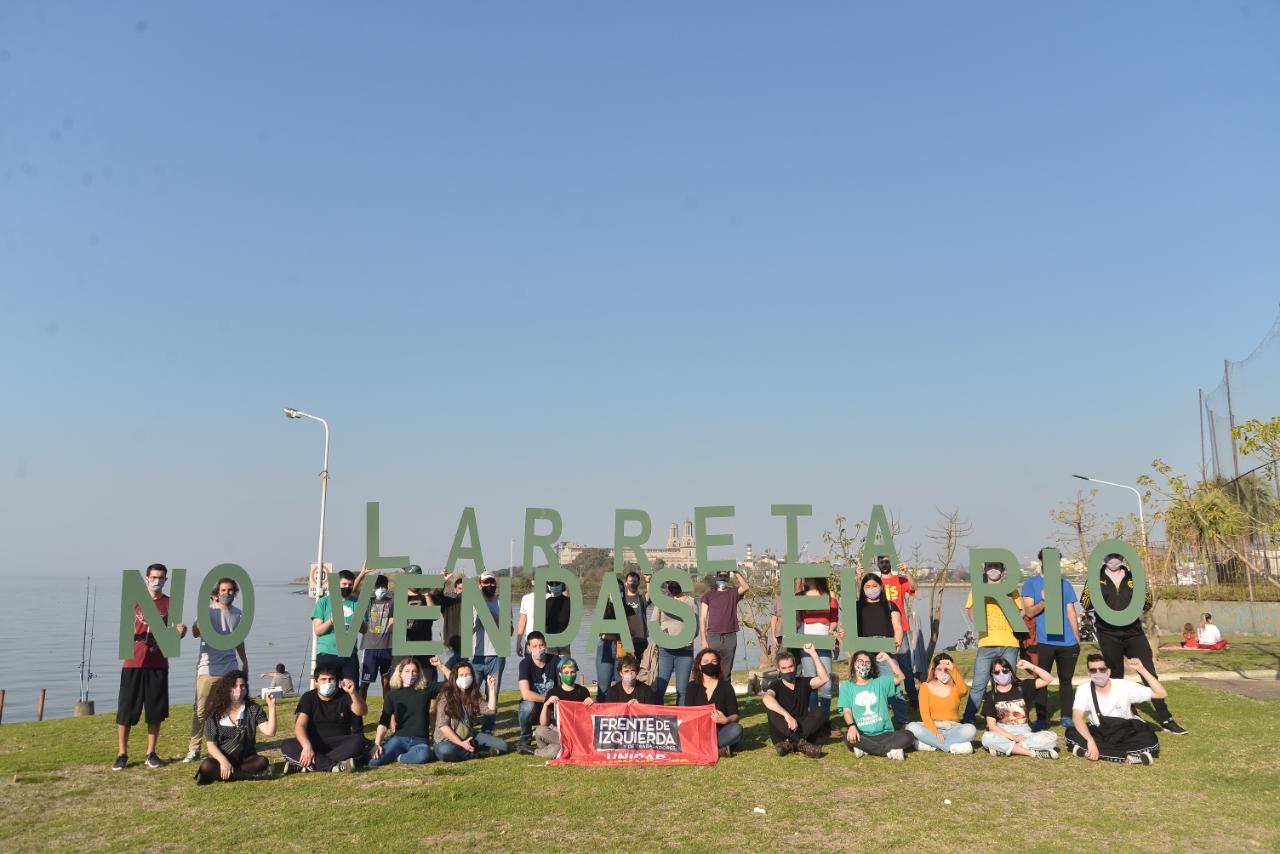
{"x":1099,"y":669}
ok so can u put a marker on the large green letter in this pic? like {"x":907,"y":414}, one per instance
{"x":621,"y":540}
{"x":792,"y":512}
{"x":617,"y":624}
{"x":792,"y":602}
{"x":134,"y":594}
{"x":474,"y":608}
{"x":998,"y":593}
{"x":1133,"y":610}
{"x":372,"y":539}
{"x":546,"y":543}
{"x":704,"y":541}
{"x":1051,"y":564}
{"x":853,"y":640}
{"x":404,"y":612}
{"x":544,"y":576}
{"x":466,"y":527}
{"x":345,"y":636}
{"x":672,"y":607}
{"x":207,"y":633}
{"x":879,"y":541}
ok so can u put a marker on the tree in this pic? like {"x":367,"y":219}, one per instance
{"x":949,"y":533}
{"x":1082,"y":524}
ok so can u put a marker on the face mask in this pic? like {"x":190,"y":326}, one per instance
{"x":346,"y":592}
{"x":407,"y":679}
{"x":722,"y":583}
{"x":463,"y":682}
{"x":632,"y":583}
{"x":555,"y":588}
{"x":862,"y":669}
{"x":993,"y":574}
{"x":787,"y":676}
{"x":711,"y":669}
{"x":242,"y":694}
{"x":327,"y":689}
{"x":538,"y":653}
{"x":488,"y":591}
{"x":873,"y":593}
{"x":380,"y":592}
{"x":1002,"y":678}
{"x":675,"y":589}
{"x":568,"y":678}
{"x":944,"y":678}
{"x":1115,"y":565}
{"x":1100,"y":679}
{"x":226,"y":598}
{"x":628,"y":679}
{"x":155,"y":584}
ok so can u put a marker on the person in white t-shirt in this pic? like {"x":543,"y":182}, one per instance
{"x":1105,"y":725}
{"x":524,"y":624}
{"x":1208,"y":633}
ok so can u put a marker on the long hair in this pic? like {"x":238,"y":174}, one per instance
{"x":220,"y":699}
{"x":456,"y":700}
{"x":991,"y":683}
{"x":695,"y":675}
{"x":933,"y":666}
{"x":420,"y":684}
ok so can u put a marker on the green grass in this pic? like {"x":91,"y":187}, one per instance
{"x":1214,"y":790}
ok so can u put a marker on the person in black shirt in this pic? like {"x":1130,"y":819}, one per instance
{"x":559,"y":609}
{"x":629,"y":688}
{"x":231,"y":727}
{"x":322,"y":737}
{"x":710,"y":686}
{"x":547,"y":735}
{"x":421,"y":629}
{"x":537,"y":676}
{"x":607,"y":650}
{"x":1116,"y":643}
{"x":878,"y":618}
{"x":1007,"y":707}
{"x":793,"y":726}
{"x":407,"y":711}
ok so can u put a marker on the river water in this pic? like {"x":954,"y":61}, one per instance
{"x":47,"y":654}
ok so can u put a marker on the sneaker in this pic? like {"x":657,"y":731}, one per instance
{"x":289,"y":767}
{"x":897,"y":754}
{"x":1046,"y":753}
{"x":858,"y":752}
{"x":784,"y":747}
{"x":925,"y":748}
{"x":153,"y":761}
{"x":810,"y":749}
{"x":524,"y":748}
{"x":1143,"y":758}
{"x":964,"y":748}
{"x":1067,"y":723}
{"x":725,"y":752}
{"x":1077,"y":750}
{"x":344,"y":765}
{"x":122,"y":762}
{"x":1171,"y":726}
{"x":192,"y":756}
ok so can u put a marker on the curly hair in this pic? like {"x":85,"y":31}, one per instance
{"x":220,"y":700}
{"x":695,"y":675}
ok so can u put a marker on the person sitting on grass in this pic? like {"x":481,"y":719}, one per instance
{"x":322,"y":737}
{"x":1105,"y":725}
{"x":547,"y":735}
{"x":941,"y":696}
{"x":407,"y":712}
{"x":280,"y":679}
{"x":458,"y":713}
{"x":793,"y":726}
{"x":1209,"y":634}
{"x":230,"y":731}
{"x":1006,"y":706}
{"x":629,"y":689}
{"x":864,"y":699}
{"x":711,"y":687}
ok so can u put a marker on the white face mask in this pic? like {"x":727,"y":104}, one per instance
{"x":380,"y":592}
{"x":873,"y":593}
{"x":628,"y":679}
{"x":862,"y":669}
{"x":408,"y":678}
{"x":155,"y":584}
{"x":327,"y":689}
{"x":538,"y":653}
{"x":463,"y":682}
{"x":944,"y":677}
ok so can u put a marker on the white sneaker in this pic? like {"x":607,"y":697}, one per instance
{"x":896,"y":753}
{"x":963,"y":748}
{"x":192,"y":756}
{"x":924,"y":747}
{"x":859,"y":752}
{"x":994,"y":752}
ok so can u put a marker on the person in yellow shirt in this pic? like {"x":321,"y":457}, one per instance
{"x":998,"y":641}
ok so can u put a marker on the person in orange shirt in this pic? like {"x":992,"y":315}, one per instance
{"x":939,"y":727}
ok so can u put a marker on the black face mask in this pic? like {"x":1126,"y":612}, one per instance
{"x":488,"y":590}
{"x":346,"y":591}
{"x":787,"y":677}
{"x":712,"y":670}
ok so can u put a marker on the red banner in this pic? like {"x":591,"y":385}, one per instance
{"x":623,"y":734}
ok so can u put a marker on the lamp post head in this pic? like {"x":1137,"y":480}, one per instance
{"x":1080,"y":476}
{"x":292,"y":413}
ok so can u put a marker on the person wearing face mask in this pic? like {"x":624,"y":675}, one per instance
{"x":231,"y":730}
{"x":629,"y":688}
{"x":900,"y":593}
{"x":524,"y":622}
{"x":451,"y":616}
{"x":322,"y":616}
{"x":566,"y":689}
{"x":864,"y":699}
{"x":822,"y":621}
{"x":559,"y":610}
{"x":485,"y":660}
{"x":879,"y":619}
{"x":419,"y":629}
{"x":1007,"y":707}
{"x":673,"y":662}
{"x":711,"y":687}
{"x":406,"y":712}
{"x":1104,"y":725}
{"x":457,"y":711}
{"x":793,"y":726}
{"x":1118,"y":642}
{"x":144,"y":677}
{"x":718,"y":617}
{"x":638,"y":603}
{"x":1061,"y":649}
{"x":322,"y":737}
{"x":941,"y":695}
{"x":212,"y":664}
{"x":607,"y":650}
{"x":536,"y":679}
{"x":376,"y":641}
{"x":998,"y":642}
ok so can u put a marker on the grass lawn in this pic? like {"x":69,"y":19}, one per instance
{"x":1217,"y":789}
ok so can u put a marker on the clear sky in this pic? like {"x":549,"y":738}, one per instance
{"x":590,"y":256}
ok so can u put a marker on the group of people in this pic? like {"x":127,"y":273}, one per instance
{"x":445,"y":707}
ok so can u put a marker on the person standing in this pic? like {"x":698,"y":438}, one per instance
{"x":486,"y":662}
{"x":673,"y":662}
{"x":819,"y":622}
{"x":607,"y":654}
{"x":718,"y":617}
{"x":1061,"y":649}
{"x":1129,"y":640}
{"x":144,"y":677}
{"x":638,"y":603}
{"x":322,"y":617}
{"x":559,"y":610}
{"x":900,"y":592}
{"x":376,"y":662}
{"x":878,"y":619}
{"x":997,"y":642}
{"x":213,"y":664}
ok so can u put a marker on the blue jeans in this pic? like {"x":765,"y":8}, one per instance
{"x":447,"y":751}
{"x":1034,"y":740}
{"x":898,"y":702}
{"x":678,"y":661}
{"x":408,"y":749}
{"x":821,"y":700}
{"x":728,"y":735}
{"x":527,"y":714}
{"x":486,"y":666}
{"x":982,"y":675}
{"x":606,"y":660}
{"x":958,"y":734}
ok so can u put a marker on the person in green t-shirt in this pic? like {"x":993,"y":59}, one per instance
{"x":864,"y":699}
{"x":322,"y":616}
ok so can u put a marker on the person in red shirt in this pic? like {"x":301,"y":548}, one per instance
{"x":144,"y":678}
{"x":899,"y":591}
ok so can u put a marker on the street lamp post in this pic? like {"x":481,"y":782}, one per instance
{"x":1142,"y":519}
{"x":324,"y":490}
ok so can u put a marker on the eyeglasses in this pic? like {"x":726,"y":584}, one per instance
{"x":1099,"y":669}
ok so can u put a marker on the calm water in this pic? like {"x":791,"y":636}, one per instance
{"x":50,"y":656}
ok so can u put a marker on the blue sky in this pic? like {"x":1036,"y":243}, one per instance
{"x":590,"y":257}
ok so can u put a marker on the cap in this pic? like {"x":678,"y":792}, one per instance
{"x":413,"y":569}
{"x":488,"y":576}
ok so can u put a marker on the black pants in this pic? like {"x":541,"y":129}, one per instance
{"x":1066,"y":658}
{"x":882,"y":743}
{"x":1114,"y":749}
{"x":328,"y":754}
{"x":1116,"y":647}
{"x":350,"y":667}
{"x":250,"y":767}
{"x":808,"y":727}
